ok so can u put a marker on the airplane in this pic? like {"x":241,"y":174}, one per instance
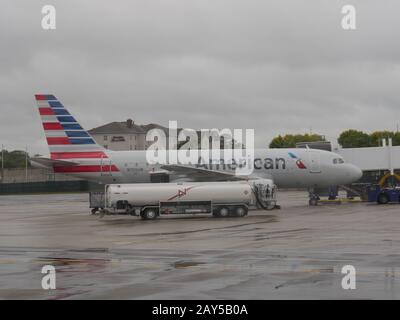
{"x":74,"y":152}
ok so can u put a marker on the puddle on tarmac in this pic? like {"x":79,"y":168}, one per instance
{"x":186,"y":264}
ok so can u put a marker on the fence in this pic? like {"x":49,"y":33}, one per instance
{"x":34,"y":180}
{"x":33,"y":175}
{"x":44,"y":187}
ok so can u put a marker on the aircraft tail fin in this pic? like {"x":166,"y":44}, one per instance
{"x":65,"y":137}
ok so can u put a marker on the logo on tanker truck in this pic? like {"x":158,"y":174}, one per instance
{"x":180,"y":193}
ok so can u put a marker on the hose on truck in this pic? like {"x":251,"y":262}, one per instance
{"x":256,"y":190}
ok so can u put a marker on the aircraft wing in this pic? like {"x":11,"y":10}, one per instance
{"x":200,"y":174}
{"x":50,"y":163}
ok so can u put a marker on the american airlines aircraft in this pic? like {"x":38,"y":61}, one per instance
{"x":73,"y":151}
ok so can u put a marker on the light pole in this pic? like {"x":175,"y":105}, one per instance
{"x":26,"y":164}
{"x":2,"y":163}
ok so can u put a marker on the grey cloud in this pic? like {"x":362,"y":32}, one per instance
{"x":275,"y":66}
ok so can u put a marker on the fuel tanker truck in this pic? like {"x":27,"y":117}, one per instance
{"x":221,"y":199}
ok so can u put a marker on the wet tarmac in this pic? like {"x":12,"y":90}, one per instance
{"x":294,"y":253}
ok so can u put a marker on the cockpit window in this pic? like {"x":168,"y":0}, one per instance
{"x":338,"y":160}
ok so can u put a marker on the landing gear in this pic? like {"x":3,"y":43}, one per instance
{"x":313,"y":198}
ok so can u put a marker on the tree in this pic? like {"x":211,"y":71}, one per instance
{"x":377,"y":136}
{"x":277,"y":142}
{"x":290,"y":140}
{"x":14,"y":159}
{"x":354,"y":139}
{"x":396,"y":139}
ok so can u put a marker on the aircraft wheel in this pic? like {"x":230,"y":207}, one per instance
{"x":383,"y":198}
{"x":149,"y":214}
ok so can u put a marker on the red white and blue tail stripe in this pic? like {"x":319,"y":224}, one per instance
{"x":67,"y":140}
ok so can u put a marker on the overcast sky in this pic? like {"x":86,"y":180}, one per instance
{"x":281,"y":66}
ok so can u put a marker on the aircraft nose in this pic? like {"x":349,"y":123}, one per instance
{"x":355,"y":172}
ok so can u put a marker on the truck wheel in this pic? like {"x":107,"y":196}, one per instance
{"x":383,"y":198}
{"x":270,"y":205}
{"x":240,"y":211}
{"x":313,"y":202}
{"x":221,"y":212}
{"x":149,"y":214}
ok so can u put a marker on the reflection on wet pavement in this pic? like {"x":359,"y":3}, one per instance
{"x":295,"y":252}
